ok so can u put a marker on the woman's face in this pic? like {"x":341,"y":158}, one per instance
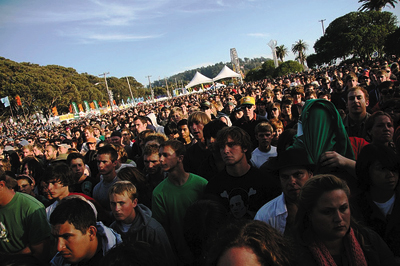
{"x":383,"y":178}
{"x":236,"y":256}
{"x":330,"y":217}
{"x":382,"y":130}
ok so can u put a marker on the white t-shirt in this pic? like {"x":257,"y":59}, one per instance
{"x":386,"y":207}
{"x":258,"y":157}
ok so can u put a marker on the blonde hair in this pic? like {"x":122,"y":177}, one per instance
{"x":122,"y":187}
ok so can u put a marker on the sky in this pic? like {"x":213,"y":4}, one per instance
{"x":158,"y":38}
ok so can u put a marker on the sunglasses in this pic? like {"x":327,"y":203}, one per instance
{"x":246,"y":106}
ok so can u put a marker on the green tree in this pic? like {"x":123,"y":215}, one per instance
{"x":287,"y":68}
{"x":281,"y":52}
{"x":300,"y":48}
{"x":392,"y":43}
{"x":358,"y":34}
{"x":375,"y":5}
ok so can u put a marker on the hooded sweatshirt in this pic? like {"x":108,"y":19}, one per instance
{"x":147,"y":229}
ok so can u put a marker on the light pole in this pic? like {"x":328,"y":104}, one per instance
{"x":129,"y":85}
{"x":322,"y":22}
{"x":110,"y":97}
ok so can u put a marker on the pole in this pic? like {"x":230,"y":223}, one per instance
{"x":166,"y":84}
{"x":151,"y":89}
{"x":110,"y":98}
{"x":323,"y":29}
{"x":129,"y":85}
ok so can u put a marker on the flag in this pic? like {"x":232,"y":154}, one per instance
{"x":75,"y":106}
{"x":5,"y":101}
{"x":18,"y":99}
{"x":87,"y":107}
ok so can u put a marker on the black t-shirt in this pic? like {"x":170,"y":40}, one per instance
{"x":244,"y":195}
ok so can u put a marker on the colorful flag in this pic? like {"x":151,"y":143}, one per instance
{"x":5,"y":101}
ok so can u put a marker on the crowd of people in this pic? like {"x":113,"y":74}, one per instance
{"x":297,"y":170}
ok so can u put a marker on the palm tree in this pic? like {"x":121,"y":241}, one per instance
{"x":281,"y":52}
{"x":375,"y":5}
{"x":299,"y":48}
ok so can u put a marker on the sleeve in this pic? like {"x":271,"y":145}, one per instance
{"x":37,"y":225}
{"x":158,"y":209}
{"x":380,"y":253}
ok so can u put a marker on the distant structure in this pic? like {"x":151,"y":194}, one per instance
{"x":235,"y":61}
{"x":272,"y":44}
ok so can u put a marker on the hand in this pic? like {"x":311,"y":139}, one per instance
{"x":334,"y":159}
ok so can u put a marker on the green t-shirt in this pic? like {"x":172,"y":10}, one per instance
{"x":22,"y":222}
{"x":169,"y":206}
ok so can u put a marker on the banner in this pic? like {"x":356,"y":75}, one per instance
{"x":96,"y":105}
{"x":80,"y":107}
{"x":5,"y":101}
{"x":87,"y":107}
{"x":54,"y":111}
{"x":92,"y":106}
{"x":18,"y":99}
{"x":75,"y":106}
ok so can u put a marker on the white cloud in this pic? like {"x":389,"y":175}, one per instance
{"x":120,"y":37}
{"x":258,"y":35}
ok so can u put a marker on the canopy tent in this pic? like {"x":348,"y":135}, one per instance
{"x":198,"y":79}
{"x":226,"y":72}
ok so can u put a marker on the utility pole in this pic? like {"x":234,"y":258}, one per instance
{"x":110,"y":96}
{"x":323,"y":29}
{"x":129,"y":85}
{"x":151,"y":89}
{"x":166,"y":84}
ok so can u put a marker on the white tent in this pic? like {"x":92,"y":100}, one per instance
{"x":198,"y":79}
{"x":226,"y":72}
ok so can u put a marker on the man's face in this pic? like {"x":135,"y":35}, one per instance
{"x":264,"y":140}
{"x":105,"y":165}
{"x":50,"y":153}
{"x":168,"y":158}
{"x":176,"y":117}
{"x":184,"y":131}
{"x":78,"y":167}
{"x":381,"y":78}
{"x":74,"y":246}
{"x":87,"y":133}
{"x":197,"y":131}
{"x":287,"y":109}
{"x":152,"y":163}
{"x":165,"y":114}
{"x":292,"y":180}
{"x":27,"y":153}
{"x":139,"y":126}
{"x":123,"y":208}
{"x":62,"y":150}
{"x":56,"y":189}
{"x":261,"y":107}
{"x":116,"y":140}
{"x":248,"y":111}
{"x":352,"y":83}
{"x":126,"y":137}
{"x":24,"y":186}
{"x":36,"y":151}
{"x":356,"y":102}
{"x":232,"y":153}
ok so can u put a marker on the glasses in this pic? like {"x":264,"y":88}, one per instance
{"x":274,"y":109}
{"x":230,"y":99}
{"x":247,"y":106}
